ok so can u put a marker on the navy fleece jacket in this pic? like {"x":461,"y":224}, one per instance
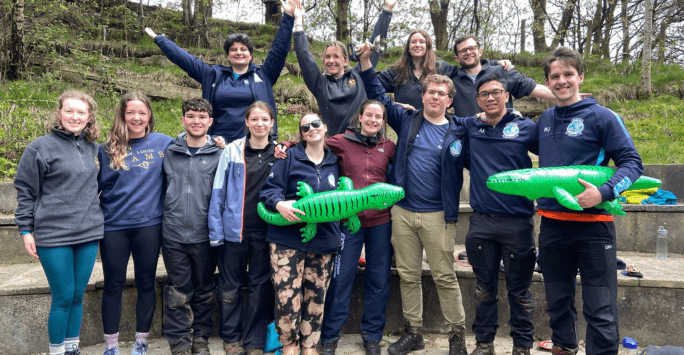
{"x":256,"y":84}
{"x":586,"y":133}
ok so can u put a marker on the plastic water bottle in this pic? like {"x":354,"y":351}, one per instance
{"x":661,"y":243}
{"x":629,"y":346}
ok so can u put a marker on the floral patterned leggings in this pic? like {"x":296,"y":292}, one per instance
{"x":300,"y":280}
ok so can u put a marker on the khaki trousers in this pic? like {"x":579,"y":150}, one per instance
{"x":411,"y":233}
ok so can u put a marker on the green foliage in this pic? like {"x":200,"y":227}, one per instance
{"x":656,"y":126}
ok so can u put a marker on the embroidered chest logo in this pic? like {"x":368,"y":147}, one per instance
{"x":575,"y":127}
{"x":147,"y":157}
{"x":381,"y":150}
{"x":331,"y":180}
{"x":455,"y":148}
{"x":511,"y":130}
{"x":482,"y":130}
{"x":351,"y":82}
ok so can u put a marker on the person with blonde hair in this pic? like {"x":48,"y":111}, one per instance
{"x":58,"y":212}
{"x":338,"y":90}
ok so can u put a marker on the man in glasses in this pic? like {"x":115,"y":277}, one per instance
{"x":428,"y":163}
{"x":501,"y":225}
{"x":467,"y":52}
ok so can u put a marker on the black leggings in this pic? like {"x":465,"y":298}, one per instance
{"x":116,"y":247}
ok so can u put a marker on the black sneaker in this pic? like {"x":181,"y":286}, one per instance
{"x":372,"y":347}
{"x":328,"y":348}
{"x":484,"y":349}
{"x":457,"y":344}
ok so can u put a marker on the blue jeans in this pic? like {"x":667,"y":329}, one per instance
{"x":378,"y":263}
{"x":565,"y":247}
{"x":68,"y":270}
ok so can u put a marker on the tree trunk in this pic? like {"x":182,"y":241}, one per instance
{"x":645,"y":86}
{"x":342,"y":22}
{"x":272,"y":15}
{"x":522,"y":37}
{"x":564,"y":24}
{"x":195,"y":14}
{"x":610,"y":20}
{"x":439,"y":9}
{"x":16,"y":47}
{"x":625,"y":33}
{"x":595,"y":30}
{"x":187,"y":12}
{"x":587,"y":44}
{"x":538,"y":32}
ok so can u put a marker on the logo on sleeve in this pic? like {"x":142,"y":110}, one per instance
{"x":331,"y":180}
{"x":511,"y":130}
{"x":575,"y":127}
{"x":455,"y":148}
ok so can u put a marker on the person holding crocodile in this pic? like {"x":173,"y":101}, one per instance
{"x":300,"y":300}
{"x":581,"y":132}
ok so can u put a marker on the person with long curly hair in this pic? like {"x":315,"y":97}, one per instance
{"x":58,"y":212}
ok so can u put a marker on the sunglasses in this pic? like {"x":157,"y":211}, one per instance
{"x":306,"y":127}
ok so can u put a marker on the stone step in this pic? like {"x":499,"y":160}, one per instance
{"x":650,"y":309}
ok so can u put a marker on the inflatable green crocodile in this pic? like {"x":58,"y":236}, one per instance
{"x":329,"y":206}
{"x":561,"y":183}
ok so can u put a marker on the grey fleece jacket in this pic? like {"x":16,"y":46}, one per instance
{"x":189,"y":180}
{"x":57,"y":194}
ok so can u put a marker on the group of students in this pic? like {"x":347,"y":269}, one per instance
{"x":141,"y":191}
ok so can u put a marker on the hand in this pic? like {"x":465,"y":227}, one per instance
{"x":364,"y":51}
{"x":298,"y":12}
{"x":406,"y":106}
{"x":288,"y":212}
{"x":481,"y":116}
{"x":289,"y":6}
{"x":280,"y":151}
{"x":150,"y":32}
{"x":220,"y":141}
{"x":591,"y":195}
{"x":585,"y":94}
{"x":30,"y":245}
{"x":389,"y":4}
{"x":506,"y":64}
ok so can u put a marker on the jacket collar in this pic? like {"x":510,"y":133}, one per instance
{"x":355,"y":136}
{"x":68,"y":135}
{"x":300,"y":154}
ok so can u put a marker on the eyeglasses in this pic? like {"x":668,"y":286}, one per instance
{"x":438,"y":93}
{"x":466,"y":50}
{"x":314,"y":124}
{"x":495,"y":94}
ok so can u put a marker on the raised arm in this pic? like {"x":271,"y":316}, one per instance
{"x":381,"y":27}
{"x":195,"y":67}
{"x":307,"y":64}
{"x":275,"y":60}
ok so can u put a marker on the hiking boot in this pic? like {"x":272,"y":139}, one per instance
{"x":412,"y":339}
{"x":557,"y":350}
{"x":457,"y":344}
{"x":372,"y":347}
{"x":484,"y":349}
{"x":520,"y":350}
{"x":139,"y":348}
{"x":234,"y":348}
{"x":200,"y":346}
{"x":327,"y":348}
{"x":258,"y":352}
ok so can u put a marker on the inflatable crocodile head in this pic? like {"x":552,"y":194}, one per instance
{"x":381,"y":195}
